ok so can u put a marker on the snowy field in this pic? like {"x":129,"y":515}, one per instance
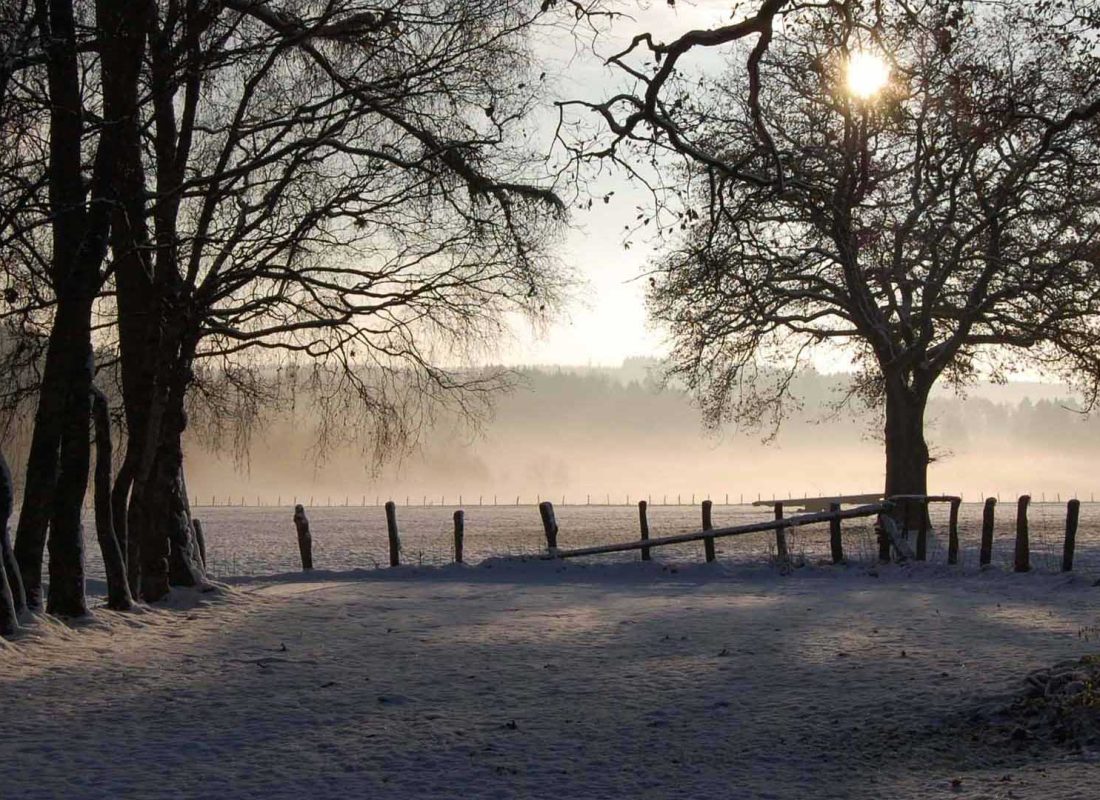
{"x":543,"y":680}
{"x":261,"y":541}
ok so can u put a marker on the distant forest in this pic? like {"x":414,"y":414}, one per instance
{"x":583,"y":432}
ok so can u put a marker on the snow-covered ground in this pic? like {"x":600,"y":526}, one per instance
{"x":543,"y":680}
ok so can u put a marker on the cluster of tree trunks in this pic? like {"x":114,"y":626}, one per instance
{"x":88,"y":217}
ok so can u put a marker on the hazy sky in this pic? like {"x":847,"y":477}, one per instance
{"x":607,"y":322}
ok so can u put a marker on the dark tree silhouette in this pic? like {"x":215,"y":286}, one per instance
{"x":945,"y":226}
{"x":352,"y":197}
{"x":79,"y":198}
{"x":114,"y":565}
{"x":289,"y":192}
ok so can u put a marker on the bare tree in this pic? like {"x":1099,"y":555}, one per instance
{"x":278,"y":183}
{"x":352,"y":194}
{"x":940,"y":229}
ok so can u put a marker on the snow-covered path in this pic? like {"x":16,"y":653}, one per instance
{"x":538,"y":681}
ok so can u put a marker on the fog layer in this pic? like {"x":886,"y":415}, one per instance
{"x":599,"y":435}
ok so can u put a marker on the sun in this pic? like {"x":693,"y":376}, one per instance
{"x":868,"y":74}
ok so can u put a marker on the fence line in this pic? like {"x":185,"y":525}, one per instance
{"x":609,"y":501}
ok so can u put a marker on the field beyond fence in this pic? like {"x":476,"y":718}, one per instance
{"x":261,"y":540}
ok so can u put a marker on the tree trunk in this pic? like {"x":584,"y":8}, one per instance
{"x":184,"y":559}
{"x":41,"y":475}
{"x":185,"y":567}
{"x":906,"y":449}
{"x":57,"y":469}
{"x":66,"y":541}
{"x":118,"y":590}
{"x":7,"y":556}
{"x":10,"y":587}
{"x":137,"y":309}
{"x":120,"y":503}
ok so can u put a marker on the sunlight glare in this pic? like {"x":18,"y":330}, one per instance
{"x":867,"y":75}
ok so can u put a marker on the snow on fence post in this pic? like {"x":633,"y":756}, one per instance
{"x":922,"y":530}
{"x":708,"y":542}
{"x":781,"y":539}
{"x":549,"y":525}
{"x":1073,"y":511}
{"x":953,"y":532}
{"x":1023,"y":544}
{"x":395,"y":537}
{"x":200,"y":539}
{"x":460,"y":531}
{"x":986,"y":554}
{"x":305,"y":541}
{"x":836,"y":546}
{"x":644,"y":524}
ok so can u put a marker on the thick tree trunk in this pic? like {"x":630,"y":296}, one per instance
{"x":906,"y":450}
{"x":138,"y":311}
{"x":185,"y":559}
{"x":118,"y":590}
{"x":66,"y":541}
{"x":185,"y":566}
{"x":57,"y":469}
{"x":169,"y":554}
{"x":41,"y":475}
{"x":10,"y":588}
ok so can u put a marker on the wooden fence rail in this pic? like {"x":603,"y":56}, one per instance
{"x":833,"y":517}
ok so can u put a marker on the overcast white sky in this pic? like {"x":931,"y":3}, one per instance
{"x":607,"y":321}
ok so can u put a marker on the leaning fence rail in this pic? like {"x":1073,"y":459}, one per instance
{"x":833,"y":516}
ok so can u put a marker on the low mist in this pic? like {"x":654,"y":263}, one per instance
{"x":611,"y":435}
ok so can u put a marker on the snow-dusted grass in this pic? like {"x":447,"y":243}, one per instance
{"x":543,"y":680}
{"x":262,"y":541}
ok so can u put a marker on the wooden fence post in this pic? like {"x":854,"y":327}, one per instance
{"x":835,"y":543}
{"x":549,"y":525}
{"x":644,"y":523}
{"x":200,"y":538}
{"x":1073,"y":511}
{"x":460,"y":532}
{"x":1023,"y":543}
{"x":953,"y":532}
{"x":305,"y":541}
{"x":986,"y":554}
{"x":922,"y":531}
{"x":883,"y":541}
{"x":708,"y":542}
{"x":781,"y":539}
{"x":395,"y":536}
